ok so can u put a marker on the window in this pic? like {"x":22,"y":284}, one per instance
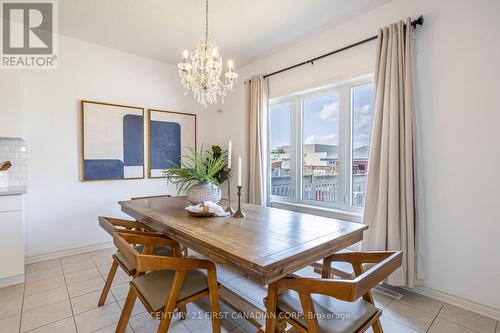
{"x":319,"y":146}
{"x":280,"y":126}
{"x":361,"y":134}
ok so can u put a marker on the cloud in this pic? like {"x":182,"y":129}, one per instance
{"x":330,"y":139}
{"x":329,"y":112}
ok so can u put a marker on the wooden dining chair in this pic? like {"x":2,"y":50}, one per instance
{"x":111,"y":226}
{"x":170,"y":282}
{"x":317,"y":305}
{"x":343,"y":270}
{"x":184,"y":249}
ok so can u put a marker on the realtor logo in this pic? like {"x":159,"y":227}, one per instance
{"x":29,"y":34}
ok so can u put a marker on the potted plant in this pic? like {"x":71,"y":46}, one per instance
{"x":200,"y":177}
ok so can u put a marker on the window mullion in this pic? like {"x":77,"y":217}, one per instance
{"x":298,"y":147}
{"x":343,"y":148}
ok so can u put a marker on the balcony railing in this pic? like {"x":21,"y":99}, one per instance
{"x":320,"y":188}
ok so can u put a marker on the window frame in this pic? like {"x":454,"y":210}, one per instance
{"x":343,"y":206}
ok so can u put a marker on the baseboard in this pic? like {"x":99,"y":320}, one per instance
{"x":67,"y":252}
{"x":464,"y":303}
{"x":11,"y":280}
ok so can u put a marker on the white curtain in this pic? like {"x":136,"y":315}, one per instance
{"x":257,"y":104}
{"x":391,"y":200}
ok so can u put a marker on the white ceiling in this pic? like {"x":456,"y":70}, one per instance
{"x":161,"y":29}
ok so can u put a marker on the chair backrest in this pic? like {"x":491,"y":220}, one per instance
{"x":348,"y":290}
{"x":125,"y":242}
{"x":111,"y":225}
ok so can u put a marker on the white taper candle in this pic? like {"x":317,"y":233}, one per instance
{"x":239,"y":170}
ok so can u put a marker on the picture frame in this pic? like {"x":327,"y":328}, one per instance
{"x":112,"y":146}
{"x":170,"y":135}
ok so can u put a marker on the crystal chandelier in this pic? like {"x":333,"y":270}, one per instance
{"x":201,"y":70}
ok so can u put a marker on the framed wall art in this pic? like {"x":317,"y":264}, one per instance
{"x":112,"y":141}
{"x":171,"y":135}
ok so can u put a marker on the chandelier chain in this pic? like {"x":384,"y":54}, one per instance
{"x":206,"y":20}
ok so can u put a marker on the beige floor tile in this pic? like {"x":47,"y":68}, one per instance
{"x":104,"y":252}
{"x":225,"y":273}
{"x":104,"y":269}
{"x":44,"y":274}
{"x":143,"y":323}
{"x":138,"y":307}
{"x":120,"y":278}
{"x":98,"y":318}
{"x":103,"y":260}
{"x":467,"y":319}
{"x":198,"y":317}
{"x":253,"y":290}
{"x":80,"y":276}
{"x":44,"y":285}
{"x":10,"y":325}
{"x":181,"y":328}
{"x":391,"y":326}
{"x":443,"y":326}
{"x":245,"y":328}
{"x":89,"y":301}
{"x":45,"y":315}
{"x":421,"y":302}
{"x":205,"y":325}
{"x":76,"y":258}
{"x":498,"y":327}
{"x":63,"y":326}
{"x":11,"y":307}
{"x":78,"y":266}
{"x":112,"y":329}
{"x":408,"y":316}
{"x":11,"y":292}
{"x":307,"y":272}
{"x":43,"y":265}
{"x":45,"y":298}
{"x":381,"y":301}
{"x":120,"y":291}
{"x":85,"y":287}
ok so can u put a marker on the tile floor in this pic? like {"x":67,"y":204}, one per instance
{"x":60,"y":296}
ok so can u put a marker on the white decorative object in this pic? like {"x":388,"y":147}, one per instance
{"x":239,"y":170}
{"x":201,"y":73}
{"x":4,"y":179}
{"x":204,"y":192}
{"x":213,"y":208}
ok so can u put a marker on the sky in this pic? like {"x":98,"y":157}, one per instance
{"x":321,"y":116}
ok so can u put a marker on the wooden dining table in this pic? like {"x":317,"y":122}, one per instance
{"x":266,"y":245}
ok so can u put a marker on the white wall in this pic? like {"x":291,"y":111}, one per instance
{"x":61,"y":210}
{"x":458,"y":79}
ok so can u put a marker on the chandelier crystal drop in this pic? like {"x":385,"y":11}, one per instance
{"x":201,"y":69}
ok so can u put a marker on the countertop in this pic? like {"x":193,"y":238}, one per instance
{"x":13,"y":190}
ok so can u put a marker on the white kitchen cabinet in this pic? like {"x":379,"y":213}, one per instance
{"x":12,"y":241}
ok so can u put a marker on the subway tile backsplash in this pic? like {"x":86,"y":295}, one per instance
{"x":15,"y":151}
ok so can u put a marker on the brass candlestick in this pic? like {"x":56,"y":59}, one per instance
{"x":239,"y":213}
{"x":229,"y":209}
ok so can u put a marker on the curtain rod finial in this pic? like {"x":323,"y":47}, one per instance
{"x":418,"y":21}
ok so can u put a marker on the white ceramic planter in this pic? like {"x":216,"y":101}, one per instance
{"x":204,"y":192}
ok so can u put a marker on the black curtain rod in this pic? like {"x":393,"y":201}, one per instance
{"x":418,"y":21}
